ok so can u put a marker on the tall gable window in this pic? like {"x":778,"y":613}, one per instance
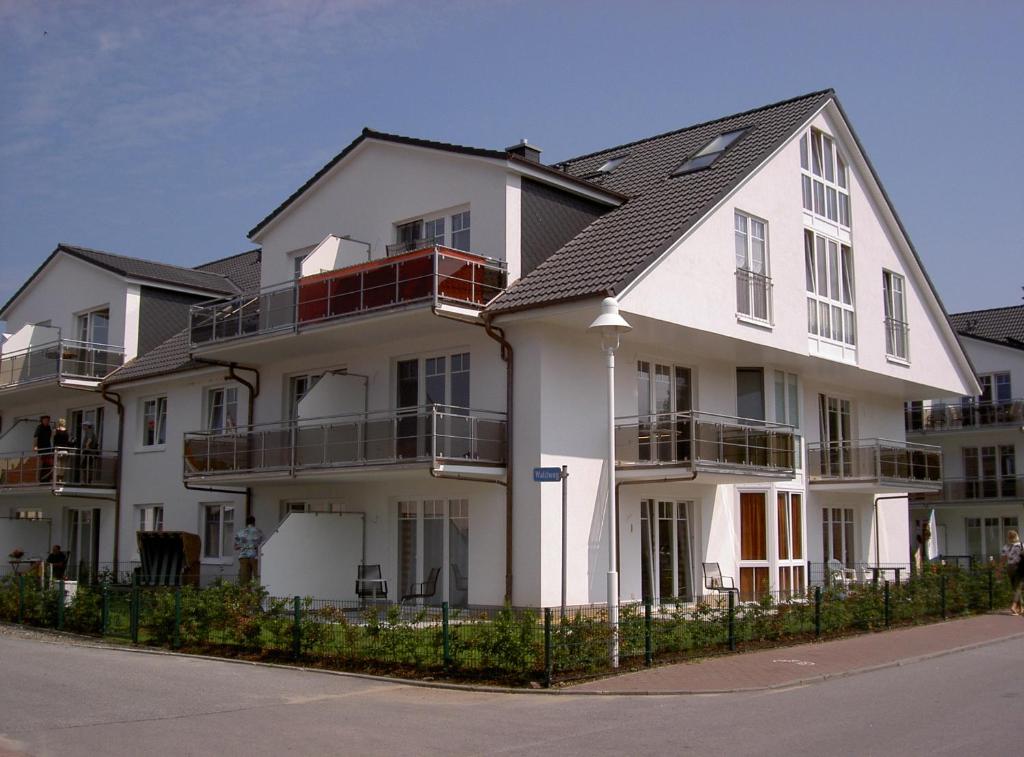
{"x":828,"y":267}
{"x":894,"y":288}
{"x":753,"y":284}
{"x":825,"y":178}
{"x":708,"y":154}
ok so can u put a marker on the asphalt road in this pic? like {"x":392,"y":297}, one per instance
{"x":64,"y":700}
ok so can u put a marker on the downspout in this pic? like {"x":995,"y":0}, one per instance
{"x":115,"y":399}
{"x":254,"y":391}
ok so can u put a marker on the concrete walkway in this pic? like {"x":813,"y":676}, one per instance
{"x":791,"y":666}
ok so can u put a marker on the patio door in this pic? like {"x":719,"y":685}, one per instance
{"x":790,"y":532}
{"x":754,"y":566}
{"x":837,"y":529}
{"x":836,"y":436}
{"x":93,"y":329}
{"x":663,"y":391}
{"x":82,"y":542}
{"x":440,"y":382}
{"x":433,"y":535}
{"x":79,"y":418}
{"x":666,"y":551}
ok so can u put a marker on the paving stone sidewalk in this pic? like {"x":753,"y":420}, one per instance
{"x":789,"y":666}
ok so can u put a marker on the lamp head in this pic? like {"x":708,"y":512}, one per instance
{"x":610,"y":324}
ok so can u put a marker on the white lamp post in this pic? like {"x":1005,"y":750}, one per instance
{"x":611,"y":326}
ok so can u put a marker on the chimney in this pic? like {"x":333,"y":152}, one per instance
{"x":525,"y":150}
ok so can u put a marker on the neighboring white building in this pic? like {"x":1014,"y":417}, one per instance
{"x":79,"y":317}
{"x":982,"y":439}
{"x":419,"y":343}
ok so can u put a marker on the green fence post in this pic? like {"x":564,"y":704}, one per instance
{"x":297,"y":628}
{"x":991,"y":595}
{"x":105,"y":609}
{"x":21,"y":599}
{"x":817,"y":612}
{"x":887,"y":613}
{"x":60,"y":605}
{"x":133,"y":610}
{"x":648,"y":634}
{"x":942,"y":595}
{"x":176,"y":640}
{"x":732,"y":621}
{"x":446,"y":646}
{"x":548,"y":662}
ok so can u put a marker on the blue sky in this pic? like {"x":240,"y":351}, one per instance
{"x":168,"y":130}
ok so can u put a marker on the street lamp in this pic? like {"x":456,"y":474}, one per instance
{"x":610,"y":325}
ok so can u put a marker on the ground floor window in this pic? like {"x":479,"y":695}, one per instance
{"x":433,"y":550}
{"x":754,"y":567}
{"x":837,"y":529}
{"x":82,"y":542}
{"x":789,"y":509}
{"x":666,"y":551}
{"x":309,"y":506}
{"x":218,"y":531}
{"x":986,"y":536}
{"x":150,"y":517}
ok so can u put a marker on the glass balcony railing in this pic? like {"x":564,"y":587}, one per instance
{"x":435,"y":434}
{"x":58,"y":469}
{"x":879,"y":461}
{"x":754,"y":295}
{"x":965,"y":415}
{"x":59,"y":360}
{"x":431,"y":274}
{"x":705,"y":441}
{"x":972,"y":490}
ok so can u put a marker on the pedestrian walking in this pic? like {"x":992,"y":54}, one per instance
{"x":42,"y":444}
{"x":1013,"y":557}
{"x":247,"y":544}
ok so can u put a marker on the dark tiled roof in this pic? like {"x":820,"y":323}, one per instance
{"x":242,"y":269}
{"x":479,"y":152}
{"x":619,"y":245}
{"x":170,"y":357}
{"x":1002,"y":325}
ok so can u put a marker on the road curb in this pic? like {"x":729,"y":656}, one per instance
{"x":567,"y":690}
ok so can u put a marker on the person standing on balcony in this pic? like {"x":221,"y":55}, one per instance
{"x":61,"y":441}
{"x":88,"y":450}
{"x":247,"y":544}
{"x":1013,"y":555}
{"x":42,"y":444}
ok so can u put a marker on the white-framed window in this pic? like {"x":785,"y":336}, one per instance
{"x":222,"y":408}
{"x":434,"y":231}
{"x":218,"y":531}
{"x":990,"y":471}
{"x":835,"y":430}
{"x":309,"y":506}
{"x":298,"y":387}
{"x":754,"y":565}
{"x":666,"y":550}
{"x":825,"y":178}
{"x":894,"y":289}
{"x":19,"y":514}
{"x":753,"y":282}
{"x":828,"y":267}
{"x":93,"y":327}
{"x":433,"y":535}
{"x":789,"y":526}
{"x":154,"y":422}
{"x":837,"y":530}
{"x":297,"y":262}
{"x":437,"y":380}
{"x":460,"y":231}
{"x":149,"y":517}
{"x":82,"y":418}
{"x":787,"y":409}
{"x":663,"y":393}
{"x":986,"y":535}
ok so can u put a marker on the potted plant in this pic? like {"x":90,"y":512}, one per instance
{"x":16,"y":554}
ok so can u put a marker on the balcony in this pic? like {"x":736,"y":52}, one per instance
{"x":62,"y":471}
{"x":63,"y":361}
{"x":958,"y":491}
{"x":723,"y":447}
{"x":966,"y":415}
{"x":438,"y":437}
{"x":754,"y":296}
{"x":897,"y":339}
{"x":870,"y":464}
{"x":427,"y":276}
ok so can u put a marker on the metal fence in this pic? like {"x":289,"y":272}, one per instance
{"x":875,"y":460}
{"x":513,"y":645}
{"x":58,"y":469}
{"x":62,"y":358}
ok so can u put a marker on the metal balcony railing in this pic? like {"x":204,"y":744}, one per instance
{"x":62,"y":359}
{"x":431,"y":274}
{"x":972,"y":489}
{"x":874,"y":460}
{"x":965,"y":415}
{"x":705,"y":440}
{"x":435,"y":434}
{"x":58,"y":469}
{"x":897,"y":339}
{"x":754,"y":295}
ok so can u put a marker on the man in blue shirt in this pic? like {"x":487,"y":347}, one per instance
{"x":247,"y":544}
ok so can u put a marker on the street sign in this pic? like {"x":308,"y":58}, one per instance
{"x":545,"y":475}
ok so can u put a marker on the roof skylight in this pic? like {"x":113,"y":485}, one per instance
{"x":708,"y":154}
{"x":611,"y":164}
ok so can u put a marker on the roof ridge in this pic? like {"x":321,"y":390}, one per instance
{"x":67,"y":246}
{"x":986,"y":310}
{"x":420,"y":141}
{"x":634,"y":143}
{"x":201,"y":266}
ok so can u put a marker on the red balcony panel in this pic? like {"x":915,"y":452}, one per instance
{"x":416,"y":278}
{"x":313,"y":299}
{"x":345,"y":294}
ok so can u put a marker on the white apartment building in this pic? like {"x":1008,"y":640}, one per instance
{"x":418,"y":343}
{"x":80,"y":316}
{"x":982,"y":439}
